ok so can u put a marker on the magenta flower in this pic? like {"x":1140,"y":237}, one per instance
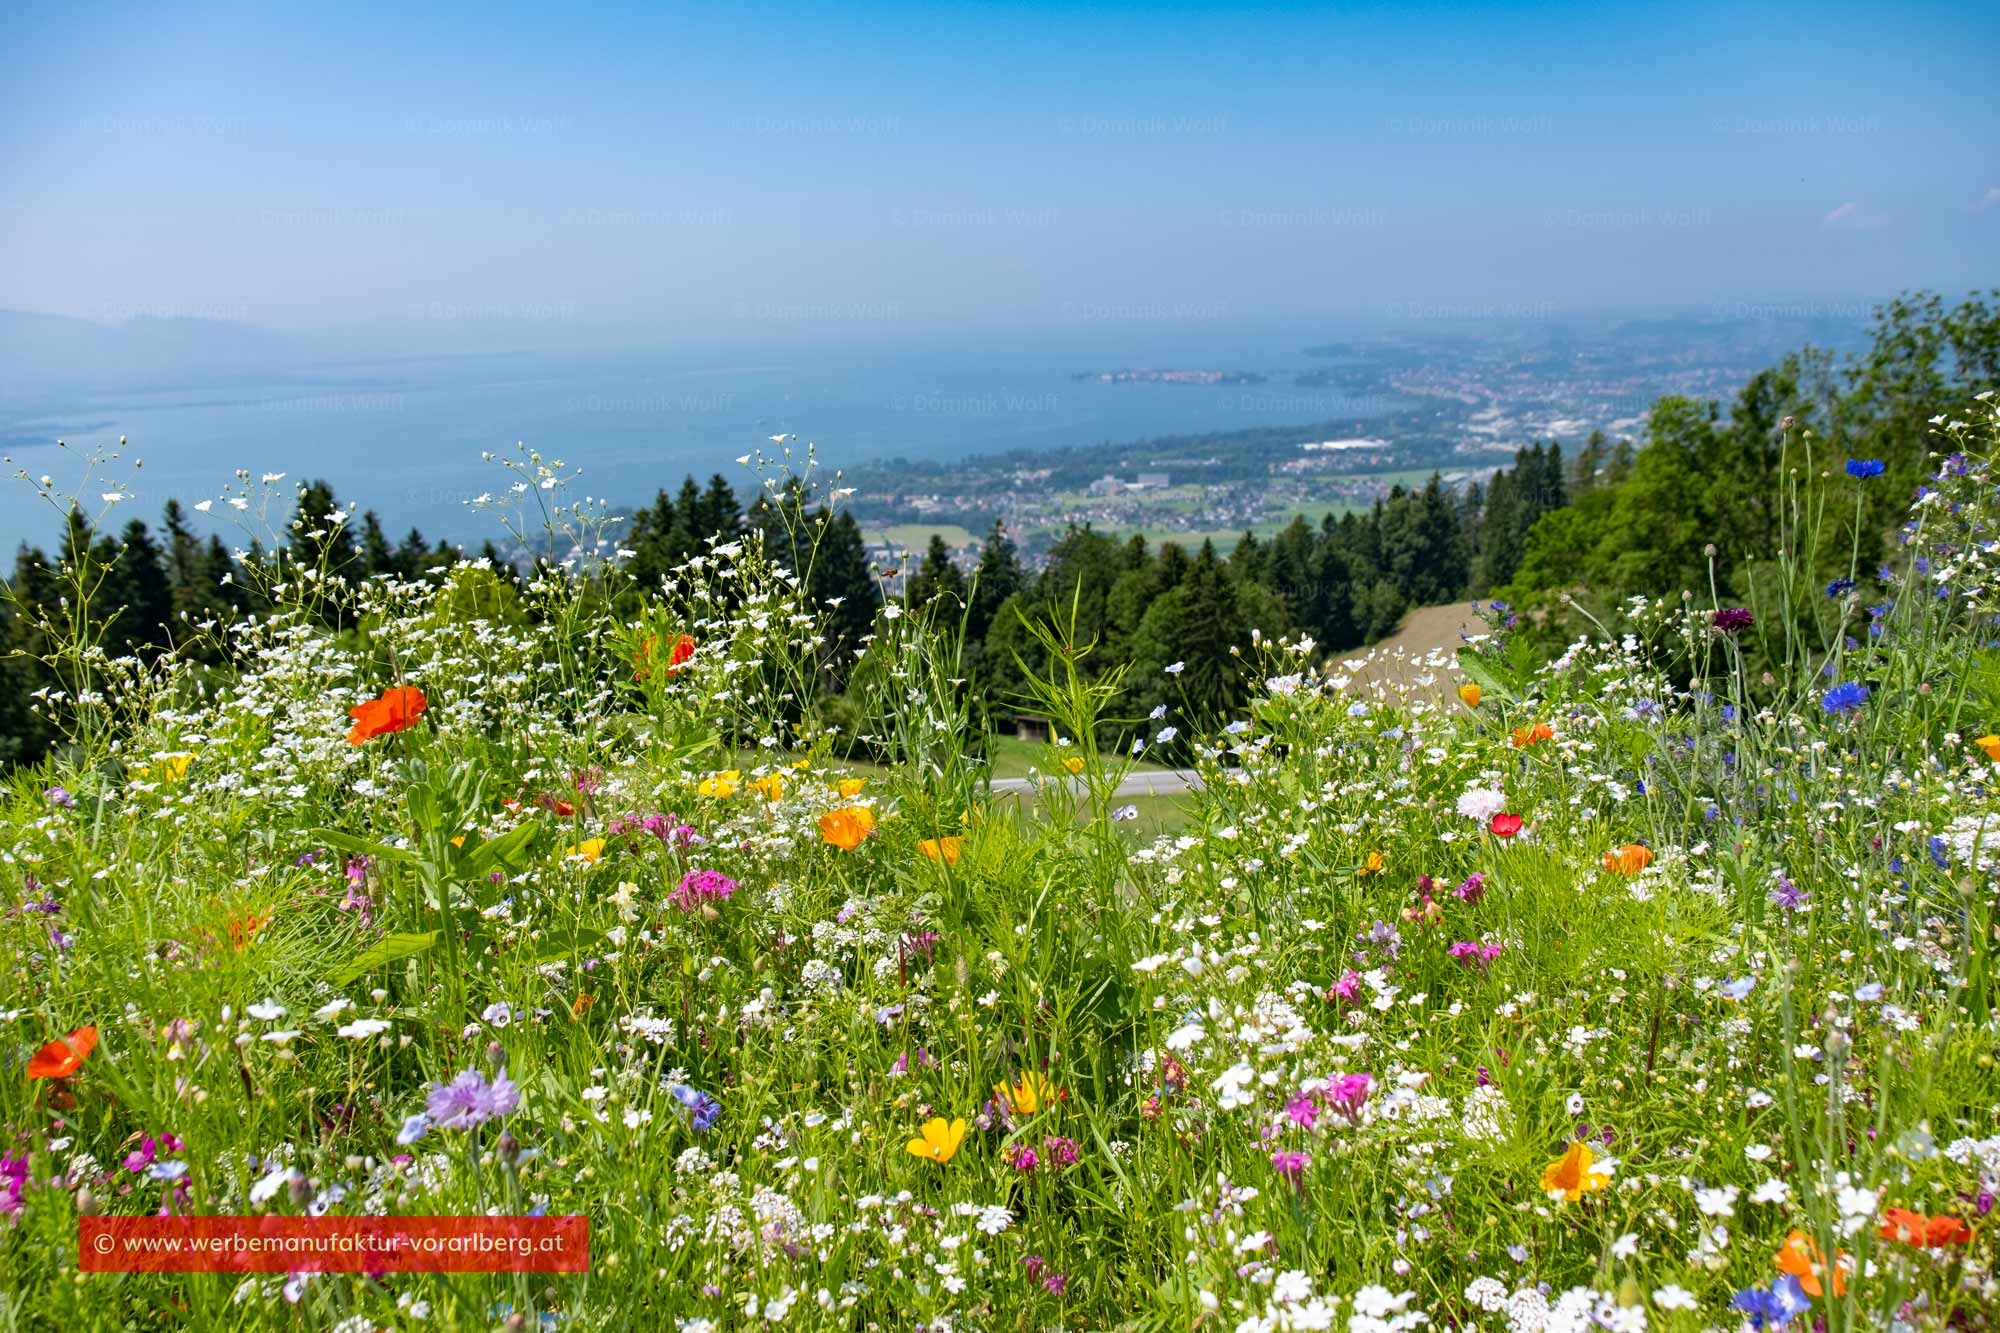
{"x":700,"y":887}
{"x":1292,"y":1166}
{"x":1733,"y":620}
{"x":1474,"y":955}
{"x":1472,"y":890}
{"x":1347,"y":987}
{"x":1348,"y":1093}
{"x":1303,"y":1108}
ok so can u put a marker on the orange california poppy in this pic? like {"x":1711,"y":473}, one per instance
{"x":847,"y":826}
{"x":1629,"y":859}
{"x":1925,"y":1233}
{"x":1801,"y":1258}
{"x":1990,"y":744}
{"x":1470,"y":694}
{"x":64,"y":1056}
{"x":1522,"y":737}
{"x":581,"y":1004}
{"x":946,"y":850}
{"x":397,"y":710}
{"x":1574,"y":1174}
{"x":1372,"y":866}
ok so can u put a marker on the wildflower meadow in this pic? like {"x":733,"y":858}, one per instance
{"x":1645,"y":986}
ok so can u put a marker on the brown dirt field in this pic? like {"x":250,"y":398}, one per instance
{"x":1424,"y":646}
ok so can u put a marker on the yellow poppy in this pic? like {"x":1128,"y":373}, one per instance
{"x":1029,"y":1093}
{"x":172,"y":768}
{"x":939,"y":1140}
{"x":1572,"y":1177}
{"x":847,"y":826}
{"x":590,"y":850}
{"x":1990,"y":744}
{"x":1074,"y":763}
{"x":942,"y":849}
{"x":770,"y":787}
{"x":851,"y":787}
{"x":722,"y":785}
{"x":1470,"y":694}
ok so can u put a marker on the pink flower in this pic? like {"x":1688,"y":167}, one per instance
{"x":1347,"y":987}
{"x":1303,"y":1108}
{"x":1348,"y":1093}
{"x":1292,"y":1166}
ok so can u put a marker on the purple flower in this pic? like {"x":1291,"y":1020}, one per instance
{"x":1292,"y":1166}
{"x":469,"y":1101}
{"x":1472,"y":890}
{"x":13,"y":1179}
{"x":701,"y":1109}
{"x":1348,"y":1093}
{"x":699,"y":887}
{"x":60,"y":796}
{"x":1733,"y":620}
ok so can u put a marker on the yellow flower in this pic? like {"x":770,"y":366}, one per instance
{"x":770,"y":787}
{"x":1990,"y":744}
{"x":459,"y":841}
{"x":1374,"y":864}
{"x":939,"y":1141}
{"x":847,"y":826}
{"x":1074,"y":763}
{"x":942,"y":849}
{"x":851,"y":787}
{"x":1470,"y":693}
{"x":1028,"y":1094}
{"x":590,"y":850}
{"x":1572,"y":1177}
{"x":172,"y":768}
{"x":721,"y":784}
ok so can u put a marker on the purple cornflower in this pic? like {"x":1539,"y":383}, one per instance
{"x":469,"y":1101}
{"x":1788,"y":895}
{"x":702,"y":1110}
{"x":1732,"y":620}
{"x":1292,"y":1166}
{"x":702,"y":886}
{"x":59,"y":796}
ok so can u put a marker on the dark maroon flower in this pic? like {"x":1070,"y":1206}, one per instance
{"x":1733,"y":620}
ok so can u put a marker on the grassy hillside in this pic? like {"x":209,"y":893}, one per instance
{"x":1633,"y":989}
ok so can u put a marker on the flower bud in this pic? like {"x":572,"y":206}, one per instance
{"x":508,"y":1150}
{"x":298,"y":1187}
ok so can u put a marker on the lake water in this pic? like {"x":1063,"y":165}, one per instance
{"x":404,"y":437}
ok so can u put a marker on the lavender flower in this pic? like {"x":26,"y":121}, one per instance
{"x":469,"y":1101}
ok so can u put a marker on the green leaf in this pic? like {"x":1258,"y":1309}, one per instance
{"x":510,"y":850}
{"x":347,"y":842}
{"x":1482,"y":673}
{"x":388,"y":949}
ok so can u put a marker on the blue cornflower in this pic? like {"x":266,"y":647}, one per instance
{"x":1839,"y":586}
{"x":702,"y":1110}
{"x":1865,"y":467}
{"x":1936,"y":847}
{"x":1844,"y":697}
{"x":1773,"y":1308}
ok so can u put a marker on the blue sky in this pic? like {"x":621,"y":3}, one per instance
{"x":688,"y":171}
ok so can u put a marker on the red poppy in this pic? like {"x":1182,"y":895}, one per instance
{"x":1925,"y":1233}
{"x":64,"y":1056}
{"x":397,"y":710}
{"x":682,"y":651}
{"x":1505,"y":826}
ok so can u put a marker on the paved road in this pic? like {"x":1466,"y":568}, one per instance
{"x":1162,"y":782}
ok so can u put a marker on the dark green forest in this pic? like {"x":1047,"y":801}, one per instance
{"x":1551,"y":540}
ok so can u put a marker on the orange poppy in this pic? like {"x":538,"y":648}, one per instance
{"x":846,"y":827}
{"x":1372,"y":866}
{"x":683,"y":649}
{"x":1801,"y":1258}
{"x":64,"y":1056}
{"x":1522,"y":737}
{"x":581,"y":1004}
{"x":1925,"y":1233}
{"x":1574,"y":1174}
{"x":243,"y":929}
{"x":1471,"y":695}
{"x":1629,"y":859}
{"x":397,"y":710}
{"x":946,"y":850}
